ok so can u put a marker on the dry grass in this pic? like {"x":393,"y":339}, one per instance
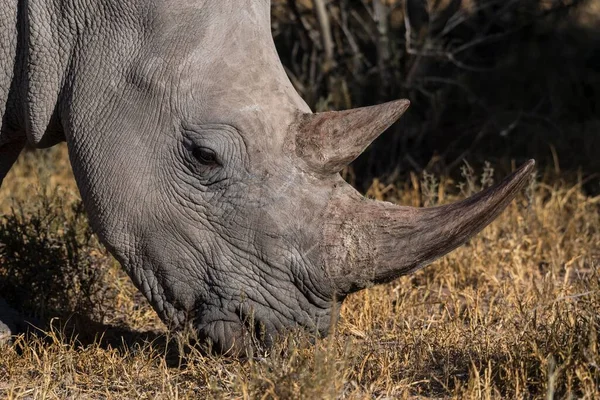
{"x":512,"y":314}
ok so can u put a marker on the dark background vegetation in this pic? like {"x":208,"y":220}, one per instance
{"x":489,"y":80}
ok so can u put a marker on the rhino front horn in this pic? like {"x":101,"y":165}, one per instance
{"x":329,"y":141}
{"x":375,"y":242}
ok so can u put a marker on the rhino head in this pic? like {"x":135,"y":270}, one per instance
{"x":210,"y":179}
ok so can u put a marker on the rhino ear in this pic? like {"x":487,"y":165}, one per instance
{"x":329,"y":141}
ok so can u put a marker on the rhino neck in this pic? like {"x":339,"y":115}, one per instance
{"x":50,"y":40}
{"x":43,"y":50}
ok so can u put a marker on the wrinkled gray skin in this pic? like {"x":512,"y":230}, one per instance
{"x":203,"y":171}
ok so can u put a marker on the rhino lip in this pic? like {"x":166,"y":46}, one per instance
{"x":238,"y":333}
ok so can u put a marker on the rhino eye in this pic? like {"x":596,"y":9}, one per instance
{"x":205,"y":156}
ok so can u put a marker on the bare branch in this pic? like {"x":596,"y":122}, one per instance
{"x":327,"y":38}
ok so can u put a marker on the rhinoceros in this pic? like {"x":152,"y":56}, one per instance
{"x":204,"y":172}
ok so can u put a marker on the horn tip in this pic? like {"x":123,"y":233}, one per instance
{"x":402,"y":104}
{"x":517,"y":180}
{"x":528,"y":166}
{"x":525,"y":168}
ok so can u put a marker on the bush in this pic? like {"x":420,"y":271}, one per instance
{"x":49,"y":259}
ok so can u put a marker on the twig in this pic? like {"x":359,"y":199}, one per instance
{"x":325,"y":28}
{"x":383,"y":52}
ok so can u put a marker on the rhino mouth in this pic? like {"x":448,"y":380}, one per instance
{"x":251,"y":328}
{"x":239,"y":333}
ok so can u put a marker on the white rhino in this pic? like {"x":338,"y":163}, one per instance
{"x":204,"y":172}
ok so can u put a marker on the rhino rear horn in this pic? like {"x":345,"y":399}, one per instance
{"x":329,"y":141}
